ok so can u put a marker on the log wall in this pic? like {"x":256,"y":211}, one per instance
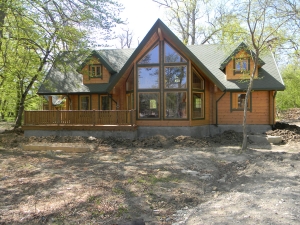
{"x":260,"y":113}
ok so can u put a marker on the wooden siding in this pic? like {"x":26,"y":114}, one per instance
{"x":230,"y":68}
{"x":272,"y":107}
{"x":94,"y":102}
{"x":260,"y":113}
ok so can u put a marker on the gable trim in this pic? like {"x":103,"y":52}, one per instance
{"x":179,"y":45}
{"x":100,"y":58}
{"x":242,"y":46}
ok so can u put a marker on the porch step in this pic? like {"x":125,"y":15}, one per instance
{"x":65,"y":147}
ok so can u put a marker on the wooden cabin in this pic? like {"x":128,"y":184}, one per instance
{"x":157,"y":87}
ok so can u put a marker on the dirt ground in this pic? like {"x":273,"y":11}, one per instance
{"x":158,"y":180}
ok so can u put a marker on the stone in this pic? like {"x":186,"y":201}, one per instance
{"x":91,"y":138}
{"x":275,"y":139}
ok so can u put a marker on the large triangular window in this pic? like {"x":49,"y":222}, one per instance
{"x":172,"y":56}
{"x":152,"y":57}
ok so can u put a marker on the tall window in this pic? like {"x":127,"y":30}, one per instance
{"x":84,"y":102}
{"x":148,"y":105}
{"x":105,"y":103}
{"x":162,"y":84}
{"x":175,"y":76}
{"x":197,"y":96}
{"x":148,"y":84}
{"x":148,"y":77}
{"x":176,"y":107}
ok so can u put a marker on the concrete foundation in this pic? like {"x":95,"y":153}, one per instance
{"x":142,"y":132}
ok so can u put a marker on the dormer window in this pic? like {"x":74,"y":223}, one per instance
{"x":95,"y":71}
{"x":241,"y":65}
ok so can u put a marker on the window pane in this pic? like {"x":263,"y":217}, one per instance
{"x":241,"y":100}
{"x":238,"y":101}
{"x":84,"y":102}
{"x":148,"y":77}
{"x":151,"y":57}
{"x":171,"y":55}
{"x":198,"y":105}
{"x":98,"y":71}
{"x":105,"y":103}
{"x":241,"y":65}
{"x":175,"y":105}
{"x":175,"y":77}
{"x":148,"y":105}
{"x":198,"y":82}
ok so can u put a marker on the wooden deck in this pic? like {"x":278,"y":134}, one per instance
{"x":80,"y":120}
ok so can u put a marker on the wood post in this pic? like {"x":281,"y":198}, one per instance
{"x":57,"y":117}
{"x":94,"y":113}
{"x":131,"y":117}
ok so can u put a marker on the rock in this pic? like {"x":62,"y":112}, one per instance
{"x":258,"y":139}
{"x":275,"y":139}
{"x":91,"y":138}
{"x":223,"y":179}
{"x":190,"y":172}
{"x":206,"y":177}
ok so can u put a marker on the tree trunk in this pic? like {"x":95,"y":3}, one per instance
{"x":20,"y":112}
{"x":244,"y":145}
{"x":3,"y":13}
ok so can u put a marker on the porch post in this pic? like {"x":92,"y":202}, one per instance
{"x":131,"y":117}
{"x":94,"y":113}
{"x":25,"y":115}
{"x":57,"y":117}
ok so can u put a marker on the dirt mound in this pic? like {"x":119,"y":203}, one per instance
{"x":232,"y":138}
{"x":286,"y":131}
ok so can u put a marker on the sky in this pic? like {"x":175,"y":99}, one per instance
{"x":141,"y":15}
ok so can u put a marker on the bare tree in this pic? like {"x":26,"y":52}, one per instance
{"x":196,"y":21}
{"x":125,"y":38}
{"x":264,"y":25}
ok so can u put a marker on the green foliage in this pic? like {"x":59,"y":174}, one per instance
{"x":290,"y":98}
{"x":33,"y":33}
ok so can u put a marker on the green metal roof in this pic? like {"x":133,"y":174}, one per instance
{"x":210,"y":59}
{"x":64,"y":76}
{"x":212,"y":56}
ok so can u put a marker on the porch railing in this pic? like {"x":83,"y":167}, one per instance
{"x":80,"y":117}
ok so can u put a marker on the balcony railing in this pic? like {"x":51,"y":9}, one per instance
{"x":80,"y":117}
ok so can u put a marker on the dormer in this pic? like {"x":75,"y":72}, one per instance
{"x":95,"y":70}
{"x":239,"y":65}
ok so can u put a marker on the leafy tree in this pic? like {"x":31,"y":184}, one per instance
{"x":264,"y":25}
{"x":290,"y":98}
{"x":33,"y":32}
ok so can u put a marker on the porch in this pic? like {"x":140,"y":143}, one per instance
{"x":80,"y":120}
